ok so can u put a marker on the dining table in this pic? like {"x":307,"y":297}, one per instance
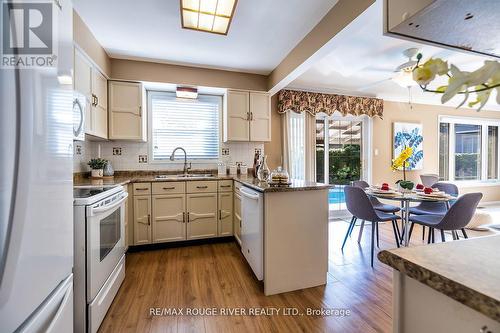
{"x":406,"y":199}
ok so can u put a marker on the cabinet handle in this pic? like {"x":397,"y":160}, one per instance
{"x":142,"y":189}
{"x":140,"y":111}
{"x":220,"y":214}
{"x":96,"y":101}
{"x":187,"y":217}
{"x":169,"y":188}
{"x":225,"y":186}
{"x":149,"y":219}
{"x":202,"y":187}
{"x":251,"y":116}
{"x":183,"y":217}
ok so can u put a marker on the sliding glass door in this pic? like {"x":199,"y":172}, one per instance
{"x":341,"y":154}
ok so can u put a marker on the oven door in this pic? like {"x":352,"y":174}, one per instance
{"x":105,"y":240}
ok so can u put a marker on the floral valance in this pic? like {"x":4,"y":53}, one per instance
{"x":314,"y":103}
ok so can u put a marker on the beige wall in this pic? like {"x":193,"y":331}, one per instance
{"x":87,"y":42}
{"x":427,"y":115}
{"x":273,"y":149}
{"x":159,"y":72}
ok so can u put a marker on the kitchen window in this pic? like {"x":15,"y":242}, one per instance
{"x":468,"y":149}
{"x":189,"y":123}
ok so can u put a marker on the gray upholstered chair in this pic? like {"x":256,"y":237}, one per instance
{"x":456,"y":218}
{"x":377,"y":205}
{"x":436,"y":208}
{"x":360,"y":206}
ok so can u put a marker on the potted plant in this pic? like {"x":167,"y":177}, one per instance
{"x":401,"y":163}
{"x":97,"y":165}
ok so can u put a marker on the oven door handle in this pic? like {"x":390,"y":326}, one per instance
{"x":99,"y":210}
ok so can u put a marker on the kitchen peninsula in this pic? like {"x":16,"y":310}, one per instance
{"x":282,"y":231}
{"x":458,"y":278}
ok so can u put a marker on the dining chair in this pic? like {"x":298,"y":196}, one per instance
{"x":360,"y":206}
{"x":377,"y":205}
{"x":429,"y":179}
{"x":456,"y":218}
{"x":435,"y":208}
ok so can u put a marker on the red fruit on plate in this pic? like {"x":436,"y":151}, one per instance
{"x":420,"y":186}
{"x":428,"y":190}
{"x":385,"y":188}
{"x":385,"y":185}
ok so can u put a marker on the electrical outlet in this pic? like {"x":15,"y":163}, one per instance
{"x":258,"y":151}
{"x":143,"y":158}
{"x":225,"y":151}
{"x":78,"y":150}
{"x":117,"y":150}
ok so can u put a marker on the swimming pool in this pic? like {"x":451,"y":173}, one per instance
{"x":336,"y":196}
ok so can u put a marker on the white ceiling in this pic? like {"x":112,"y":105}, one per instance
{"x":262,"y":32}
{"x":361,"y":62}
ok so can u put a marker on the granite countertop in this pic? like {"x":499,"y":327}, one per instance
{"x":467,"y":270}
{"x":122,"y":178}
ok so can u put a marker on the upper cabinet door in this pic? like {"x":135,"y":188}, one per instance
{"x":236,"y":116}
{"x":100,"y":106}
{"x":82,"y":83}
{"x":260,"y":117}
{"x":127,"y":120}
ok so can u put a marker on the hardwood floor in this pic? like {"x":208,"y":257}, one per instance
{"x":216,"y":275}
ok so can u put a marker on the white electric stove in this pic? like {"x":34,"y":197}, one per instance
{"x":99,"y":262}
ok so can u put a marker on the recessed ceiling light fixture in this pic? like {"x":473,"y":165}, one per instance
{"x":208,"y":15}
{"x":186,"y":92}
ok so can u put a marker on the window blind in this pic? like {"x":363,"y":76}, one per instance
{"x":190,"y":124}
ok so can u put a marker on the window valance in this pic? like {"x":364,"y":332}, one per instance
{"x":314,"y":103}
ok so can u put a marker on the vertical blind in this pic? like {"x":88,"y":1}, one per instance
{"x":296,"y":142}
{"x":191,"y":124}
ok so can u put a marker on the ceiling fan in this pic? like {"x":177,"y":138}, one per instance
{"x":402,"y":73}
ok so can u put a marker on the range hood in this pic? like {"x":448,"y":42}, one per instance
{"x":465,"y":25}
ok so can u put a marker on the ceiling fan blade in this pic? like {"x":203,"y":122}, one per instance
{"x":373,"y":84}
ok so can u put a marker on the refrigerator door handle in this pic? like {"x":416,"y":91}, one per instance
{"x":78,"y":131}
{"x":5,"y":238}
{"x":57,"y":317}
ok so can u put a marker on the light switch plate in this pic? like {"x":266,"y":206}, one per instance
{"x":78,"y":150}
{"x":117,"y":150}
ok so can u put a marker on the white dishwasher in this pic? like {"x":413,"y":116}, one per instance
{"x":252,"y":229}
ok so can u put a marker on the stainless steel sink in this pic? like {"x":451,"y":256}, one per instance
{"x":186,"y":176}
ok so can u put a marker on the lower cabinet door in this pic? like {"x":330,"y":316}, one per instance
{"x":169,"y":217}
{"x":201,"y":215}
{"x":237,"y":216}
{"x":142,"y":219}
{"x":225,"y":227}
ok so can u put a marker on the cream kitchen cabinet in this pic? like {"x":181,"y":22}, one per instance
{"x":225,"y":221}
{"x":201,"y":215}
{"x":127,"y":119}
{"x":247,"y":116}
{"x":142,"y":218}
{"x":237,"y":212}
{"x":169,"y":217}
{"x":91,"y":83}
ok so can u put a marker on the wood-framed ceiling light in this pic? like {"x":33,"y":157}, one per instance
{"x":213,"y":16}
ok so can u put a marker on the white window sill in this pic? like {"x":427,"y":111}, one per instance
{"x":475,"y":183}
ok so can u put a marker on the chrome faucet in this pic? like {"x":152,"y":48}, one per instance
{"x":186,"y":168}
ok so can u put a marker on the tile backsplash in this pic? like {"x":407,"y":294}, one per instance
{"x":134,"y":155}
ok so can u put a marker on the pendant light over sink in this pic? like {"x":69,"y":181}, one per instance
{"x":207,"y":15}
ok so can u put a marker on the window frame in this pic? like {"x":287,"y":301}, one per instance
{"x":485,"y":123}
{"x":151,"y":160}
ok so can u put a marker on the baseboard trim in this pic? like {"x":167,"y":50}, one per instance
{"x":161,"y":246}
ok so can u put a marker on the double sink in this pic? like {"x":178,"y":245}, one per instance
{"x":185,"y":176}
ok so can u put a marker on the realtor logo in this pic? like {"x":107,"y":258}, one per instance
{"x":27,"y":34}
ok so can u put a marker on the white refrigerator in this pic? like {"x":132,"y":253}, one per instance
{"x":36,"y":199}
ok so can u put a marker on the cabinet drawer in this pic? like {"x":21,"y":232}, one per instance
{"x":201,"y":186}
{"x":169,"y":187}
{"x":237,"y":186}
{"x":225,"y":185}
{"x":142,"y":188}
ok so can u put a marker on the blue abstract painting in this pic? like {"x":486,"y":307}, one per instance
{"x":409,"y":135}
